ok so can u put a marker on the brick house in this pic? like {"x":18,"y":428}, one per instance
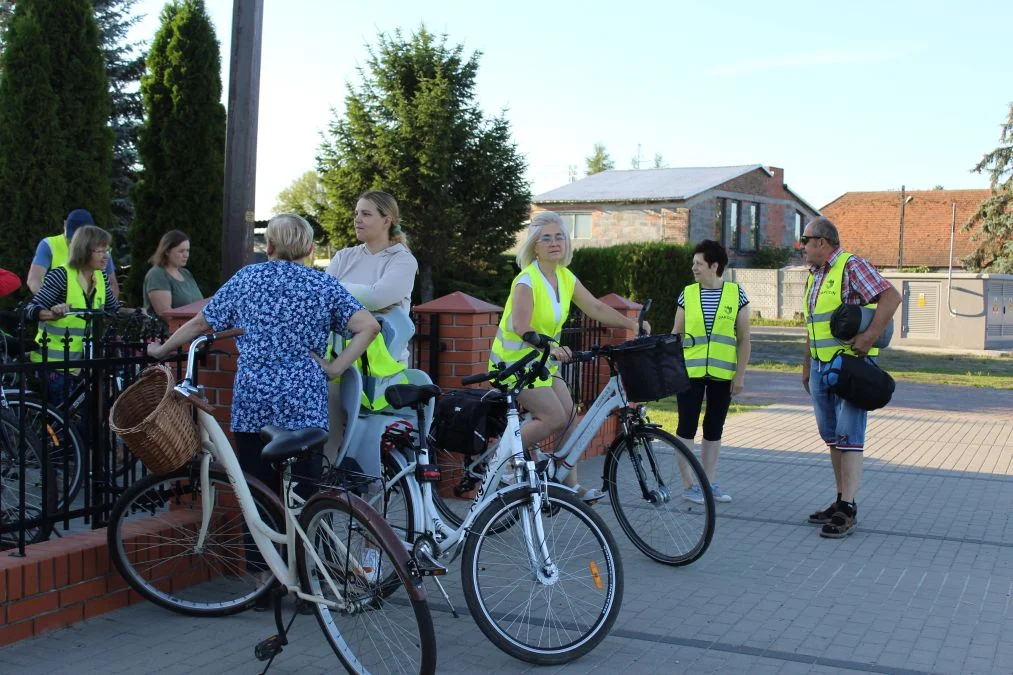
{"x":744,"y":207}
{"x":869,"y":223}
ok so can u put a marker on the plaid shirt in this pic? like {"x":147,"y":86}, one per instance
{"x":863,"y":284}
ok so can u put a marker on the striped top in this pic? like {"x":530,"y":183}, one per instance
{"x":710,"y":298}
{"x":54,"y":292}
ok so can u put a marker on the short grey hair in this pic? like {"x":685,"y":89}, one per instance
{"x":291,"y":235}
{"x":823,"y":227}
{"x":526,"y":253}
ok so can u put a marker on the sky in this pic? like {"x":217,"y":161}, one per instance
{"x":842,"y":96}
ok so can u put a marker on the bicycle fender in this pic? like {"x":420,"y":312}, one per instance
{"x":417,"y":589}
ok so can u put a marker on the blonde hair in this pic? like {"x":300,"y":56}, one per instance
{"x":387,"y":207}
{"x":86,"y":239}
{"x":169,"y":241}
{"x":526,"y":253}
{"x":291,"y":235}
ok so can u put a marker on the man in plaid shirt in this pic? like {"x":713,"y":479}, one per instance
{"x":838,"y":277}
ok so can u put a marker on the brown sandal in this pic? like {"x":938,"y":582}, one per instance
{"x":841,"y":525}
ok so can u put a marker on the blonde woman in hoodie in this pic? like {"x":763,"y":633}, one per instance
{"x":379,"y":273}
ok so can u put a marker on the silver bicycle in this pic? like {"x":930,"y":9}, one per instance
{"x":541,"y":573}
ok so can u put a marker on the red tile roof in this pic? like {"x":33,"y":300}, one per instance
{"x":869,"y":224}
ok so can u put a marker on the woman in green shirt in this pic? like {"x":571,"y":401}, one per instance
{"x":168,"y":284}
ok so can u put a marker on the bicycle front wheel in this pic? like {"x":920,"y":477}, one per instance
{"x":156,"y":543}
{"x":645,"y":487}
{"x":359,"y":564}
{"x":558,"y":609}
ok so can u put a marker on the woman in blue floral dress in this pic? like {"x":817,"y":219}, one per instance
{"x":287,"y":310}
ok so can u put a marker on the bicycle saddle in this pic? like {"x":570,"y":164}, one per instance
{"x":285,"y":443}
{"x":405,"y":395}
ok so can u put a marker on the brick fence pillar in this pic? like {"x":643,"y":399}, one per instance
{"x":217,"y":375}
{"x":465,"y":327}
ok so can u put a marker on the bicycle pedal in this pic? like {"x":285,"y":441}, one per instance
{"x":428,"y":566}
{"x":269,"y":648}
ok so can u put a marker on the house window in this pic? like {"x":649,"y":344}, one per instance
{"x":577,"y":224}
{"x":719,"y":219}
{"x":752,"y":234}
{"x":731,"y":230}
{"x":798,"y":226}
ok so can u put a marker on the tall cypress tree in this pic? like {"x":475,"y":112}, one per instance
{"x":55,"y":144}
{"x":181,"y":145}
{"x":124,"y":68}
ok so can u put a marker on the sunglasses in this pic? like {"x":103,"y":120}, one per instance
{"x":805,"y":240}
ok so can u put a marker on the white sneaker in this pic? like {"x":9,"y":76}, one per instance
{"x":719,"y":494}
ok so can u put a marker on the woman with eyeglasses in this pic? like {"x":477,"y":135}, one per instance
{"x":80,"y":284}
{"x":540,"y":299}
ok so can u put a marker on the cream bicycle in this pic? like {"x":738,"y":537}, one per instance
{"x":208,"y":540}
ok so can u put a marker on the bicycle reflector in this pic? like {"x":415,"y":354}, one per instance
{"x":397,"y":435}
{"x":427,"y":473}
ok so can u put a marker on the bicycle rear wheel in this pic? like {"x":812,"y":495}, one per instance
{"x":40,"y":495}
{"x":154,"y":541}
{"x":555,"y":613}
{"x":377,"y":629}
{"x":653,"y":513}
{"x":61,"y":441}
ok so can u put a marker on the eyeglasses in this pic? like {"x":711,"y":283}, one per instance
{"x":100,"y":251}
{"x":806,"y":239}
{"x":547,"y":238}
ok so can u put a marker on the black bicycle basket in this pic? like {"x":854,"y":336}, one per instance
{"x":466,"y":419}
{"x":652,"y":367}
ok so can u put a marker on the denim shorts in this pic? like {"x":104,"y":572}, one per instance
{"x":841,"y":424}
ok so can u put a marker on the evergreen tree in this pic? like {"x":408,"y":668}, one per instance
{"x":994,"y":252}
{"x":599,"y":160}
{"x":124,"y":68}
{"x":6,"y":9}
{"x":413,"y":128}
{"x":181,"y":145}
{"x":55,"y":145}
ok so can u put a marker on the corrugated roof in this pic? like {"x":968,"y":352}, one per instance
{"x":644,"y":184}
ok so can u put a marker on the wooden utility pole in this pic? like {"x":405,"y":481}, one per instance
{"x":241,"y":135}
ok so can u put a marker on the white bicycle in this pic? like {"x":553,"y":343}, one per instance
{"x":541,"y":572}
{"x":208,"y":540}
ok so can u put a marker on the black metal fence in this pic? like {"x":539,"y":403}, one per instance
{"x":60,"y":465}
{"x":426,"y":346}
{"x":584,"y":379}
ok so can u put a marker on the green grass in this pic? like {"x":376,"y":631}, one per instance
{"x":784,"y":353}
{"x":666,"y":412}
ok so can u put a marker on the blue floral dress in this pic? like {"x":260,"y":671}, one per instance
{"x":286,"y":309}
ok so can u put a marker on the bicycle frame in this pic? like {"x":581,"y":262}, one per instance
{"x":508,"y":454}
{"x":611,"y":397}
{"x":215,"y":446}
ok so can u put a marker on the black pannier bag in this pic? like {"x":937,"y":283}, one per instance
{"x":652,"y":367}
{"x":466,"y":418}
{"x":859,"y":381}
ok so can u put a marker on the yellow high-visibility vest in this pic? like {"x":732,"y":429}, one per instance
{"x":822,"y":344}
{"x":713,"y":355}
{"x":75,"y":327}
{"x":508,"y":347}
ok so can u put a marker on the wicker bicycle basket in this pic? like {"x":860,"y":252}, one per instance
{"x":155,"y":422}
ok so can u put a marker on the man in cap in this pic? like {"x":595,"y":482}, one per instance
{"x":52,"y":252}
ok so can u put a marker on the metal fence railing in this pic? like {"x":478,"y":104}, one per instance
{"x":60,"y":465}
{"x":584,"y":379}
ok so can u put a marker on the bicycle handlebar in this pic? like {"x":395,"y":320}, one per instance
{"x":207,"y":339}
{"x":544,"y":346}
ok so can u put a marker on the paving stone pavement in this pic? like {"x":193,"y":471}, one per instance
{"x":924,"y":586}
